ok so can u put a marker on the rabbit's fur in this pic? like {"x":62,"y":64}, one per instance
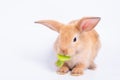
{"x":77,"y":39}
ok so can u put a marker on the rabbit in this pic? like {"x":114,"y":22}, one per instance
{"x":77,"y":39}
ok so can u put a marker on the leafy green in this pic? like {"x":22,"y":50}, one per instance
{"x":59,"y":63}
{"x":61,"y":59}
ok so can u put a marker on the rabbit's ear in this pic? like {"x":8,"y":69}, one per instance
{"x":54,"y":25}
{"x":87,"y":23}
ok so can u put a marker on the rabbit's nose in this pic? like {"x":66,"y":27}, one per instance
{"x":64,"y":51}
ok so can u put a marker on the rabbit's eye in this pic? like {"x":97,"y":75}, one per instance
{"x":75,"y":39}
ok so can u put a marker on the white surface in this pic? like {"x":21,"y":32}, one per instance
{"x":26,"y":51}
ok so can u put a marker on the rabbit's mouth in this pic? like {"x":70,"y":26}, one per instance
{"x":76,"y":52}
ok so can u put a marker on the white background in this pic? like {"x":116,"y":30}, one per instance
{"x":26,"y":51}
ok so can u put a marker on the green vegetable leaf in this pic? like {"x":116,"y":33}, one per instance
{"x":63,"y":57}
{"x":59,"y":63}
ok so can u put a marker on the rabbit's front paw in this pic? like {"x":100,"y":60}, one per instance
{"x":77,"y":71}
{"x":63,"y":70}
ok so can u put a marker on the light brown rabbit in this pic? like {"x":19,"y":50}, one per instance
{"x":77,"y":39}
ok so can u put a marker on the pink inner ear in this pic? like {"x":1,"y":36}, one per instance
{"x":89,"y":24}
{"x":84,"y":25}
